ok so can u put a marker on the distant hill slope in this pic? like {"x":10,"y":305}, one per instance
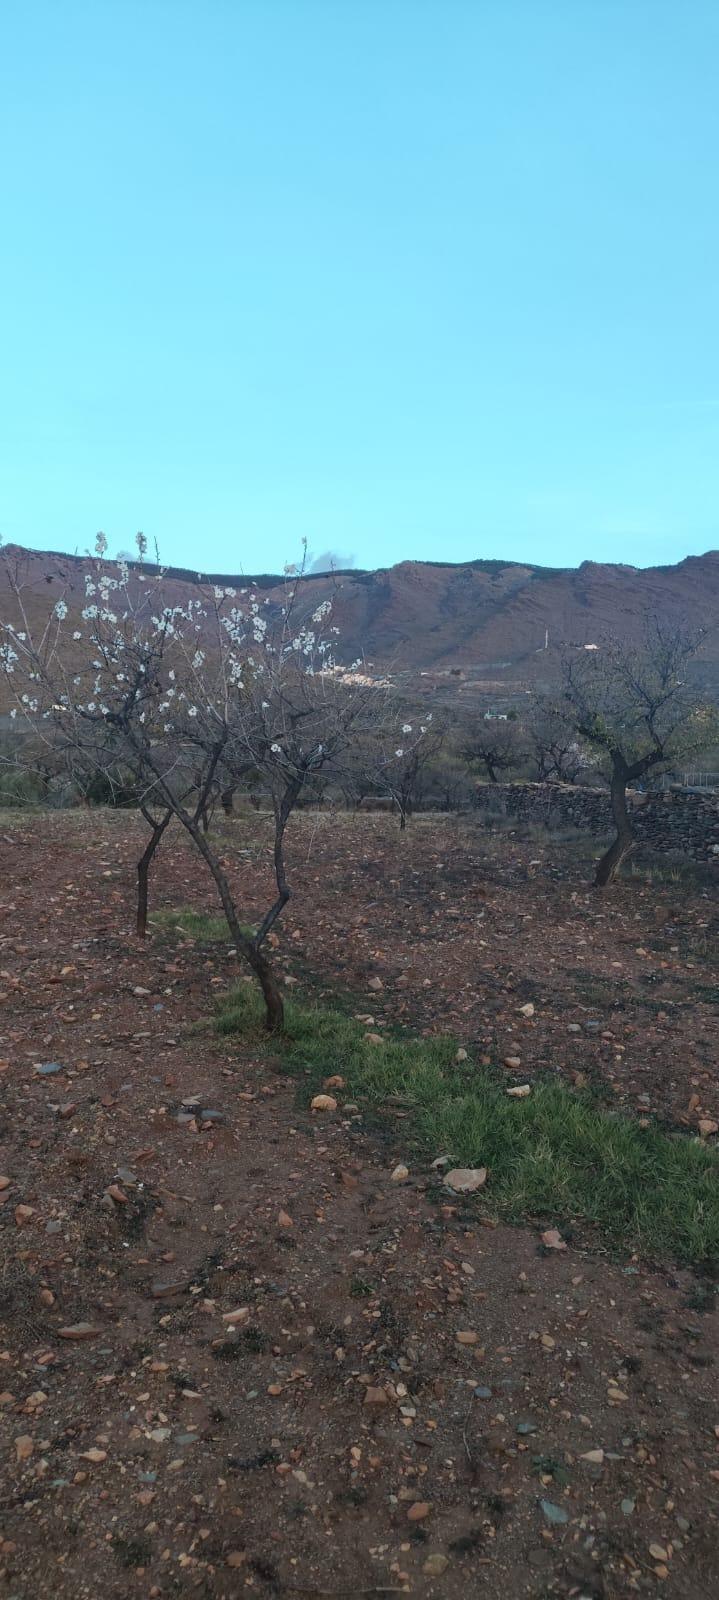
{"x":501,"y":624}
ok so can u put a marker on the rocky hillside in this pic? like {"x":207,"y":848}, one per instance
{"x":481,"y":625}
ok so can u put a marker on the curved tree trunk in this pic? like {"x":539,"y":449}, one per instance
{"x":611,"y":861}
{"x":245,"y":947}
{"x":143,"y":872}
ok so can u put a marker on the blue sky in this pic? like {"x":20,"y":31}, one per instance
{"x":430,"y":279}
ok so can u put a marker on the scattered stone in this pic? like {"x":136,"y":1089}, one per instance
{"x":162,"y":1289}
{"x":23,"y":1214}
{"x":482,"y":1393}
{"x":5,"y":1183}
{"x":323,"y":1102}
{"x":236,"y":1558}
{"x":658,"y":1553}
{"x":594,"y":1457}
{"x":527,"y":1011}
{"x":461,"y":1056}
{"x":707,"y":1127}
{"x":376,"y":1397}
{"x":435,"y":1565}
{"x":24,"y":1447}
{"x":525,"y":1428}
{"x":465,"y":1180}
{"x":467,"y":1336}
{"x":554,"y":1514}
{"x":400,"y":1174}
{"x":520,"y":1092}
{"x":94,"y":1455}
{"x":512,"y":1062}
{"x":232,"y":1318}
{"x":114,"y":1192}
{"x":627,"y":1507}
{"x":418,"y":1511}
{"x":80,"y":1330}
{"x":47,"y":1069}
{"x":284,"y":1220}
{"x":552,"y":1239}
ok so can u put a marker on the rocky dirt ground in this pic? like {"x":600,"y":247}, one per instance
{"x":233,"y":1354}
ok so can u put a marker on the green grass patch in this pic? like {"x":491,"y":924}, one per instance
{"x":204,"y":926}
{"x":555,"y":1156}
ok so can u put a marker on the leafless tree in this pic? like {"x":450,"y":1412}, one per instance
{"x":400,"y":771}
{"x":494,"y":744}
{"x":550,"y":740}
{"x":636,"y":706}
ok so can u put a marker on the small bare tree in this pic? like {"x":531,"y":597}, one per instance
{"x":550,"y":738}
{"x":636,"y":707}
{"x":400,"y":770}
{"x":495,"y":744}
{"x":188,"y":698}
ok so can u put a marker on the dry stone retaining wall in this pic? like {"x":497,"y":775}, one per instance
{"x":671,"y":821}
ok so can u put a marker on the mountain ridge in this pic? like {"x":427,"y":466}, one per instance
{"x":508,"y":619}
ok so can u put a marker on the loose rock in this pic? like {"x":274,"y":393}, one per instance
{"x":465,"y":1180}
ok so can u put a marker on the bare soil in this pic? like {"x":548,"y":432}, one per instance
{"x":164,"y":1455}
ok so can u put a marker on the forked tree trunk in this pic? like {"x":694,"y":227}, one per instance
{"x":143,"y":873}
{"x":611,"y":861}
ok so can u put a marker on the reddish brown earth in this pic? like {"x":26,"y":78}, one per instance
{"x":163,"y":1456}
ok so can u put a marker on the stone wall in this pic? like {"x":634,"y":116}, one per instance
{"x":670,"y":821}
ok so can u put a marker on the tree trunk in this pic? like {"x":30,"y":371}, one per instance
{"x":274,"y":1004}
{"x":143,"y":873}
{"x":246,"y":949}
{"x":227,"y":800}
{"x":491,"y":770}
{"x":611,"y":861}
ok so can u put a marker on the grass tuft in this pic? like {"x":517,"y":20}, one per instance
{"x":555,"y":1155}
{"x":204,"y":926}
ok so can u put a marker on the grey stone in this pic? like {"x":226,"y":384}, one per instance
{"x":556,"y":1515}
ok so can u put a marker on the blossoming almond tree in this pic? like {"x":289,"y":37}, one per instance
{"x":185,"y":695}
